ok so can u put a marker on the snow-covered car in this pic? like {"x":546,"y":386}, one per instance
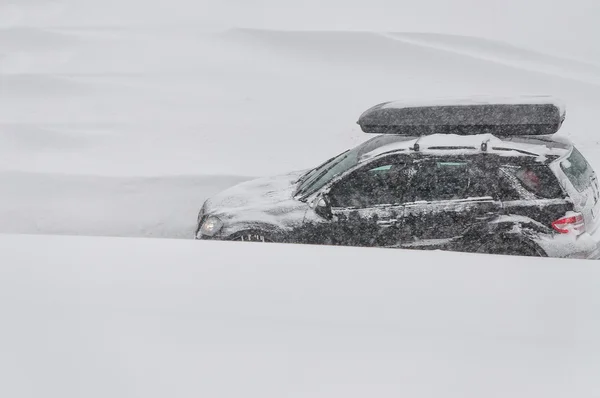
{"x":475,"y":175}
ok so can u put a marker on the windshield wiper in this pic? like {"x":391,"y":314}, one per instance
{"x":304,"y":176}
{"x":319,"y":176}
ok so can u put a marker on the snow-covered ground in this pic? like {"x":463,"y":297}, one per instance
{"x":110,"y":317}
{"x":160,"y":207}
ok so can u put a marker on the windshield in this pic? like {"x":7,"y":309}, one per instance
{"x":317,"y":178}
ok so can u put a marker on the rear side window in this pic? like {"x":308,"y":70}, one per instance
{"x":577,"y":170}
{"x":531,"y":181}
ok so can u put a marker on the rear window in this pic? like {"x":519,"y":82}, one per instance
{"x":577,"y":170}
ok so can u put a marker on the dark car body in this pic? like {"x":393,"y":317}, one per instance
{"x":525,"y":195}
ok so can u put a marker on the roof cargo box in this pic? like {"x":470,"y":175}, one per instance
{"x":470,"y":116}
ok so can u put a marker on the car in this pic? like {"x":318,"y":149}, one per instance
{"x":482,"y":175}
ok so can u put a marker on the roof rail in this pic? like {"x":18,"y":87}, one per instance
{"x":499,"y":148}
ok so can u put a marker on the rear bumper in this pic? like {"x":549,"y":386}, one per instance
{"x":585,"y":246}
{"x":595,"y":254}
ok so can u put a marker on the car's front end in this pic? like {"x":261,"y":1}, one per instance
{"x":260,"y":209}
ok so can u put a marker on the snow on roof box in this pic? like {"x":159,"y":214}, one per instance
{"x":477,"y":115}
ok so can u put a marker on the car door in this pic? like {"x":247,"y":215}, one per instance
{"x":446,"y":196}
{"x":366,"y":203}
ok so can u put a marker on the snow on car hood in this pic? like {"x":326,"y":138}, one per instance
{"x":262,"y":202}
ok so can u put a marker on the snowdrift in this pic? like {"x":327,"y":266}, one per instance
{"x":100,"y":317}
{"x":157,"y":207}
{"x":167,"y":100}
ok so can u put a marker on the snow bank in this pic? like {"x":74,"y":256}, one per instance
{"x":100,"y":317}
{"x":170,"y":100}
{"x":546,"y":25}
{"x":160,"y":207}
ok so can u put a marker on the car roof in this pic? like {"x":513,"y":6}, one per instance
{"x":539,"y":147}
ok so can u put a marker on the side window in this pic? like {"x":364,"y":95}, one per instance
{"x":447,"y":179}
{"x":528,"y":182}
{"x":378,"y":183}
{"x":577,"y":170}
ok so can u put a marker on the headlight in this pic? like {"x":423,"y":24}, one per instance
{"x":211,"y":226}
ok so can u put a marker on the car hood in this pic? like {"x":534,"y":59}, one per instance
{"x":258,"y":203}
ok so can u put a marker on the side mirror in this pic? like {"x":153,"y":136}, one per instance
{"x":323,"y":207}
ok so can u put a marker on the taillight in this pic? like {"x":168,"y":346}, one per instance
{"x":570,"y":223}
